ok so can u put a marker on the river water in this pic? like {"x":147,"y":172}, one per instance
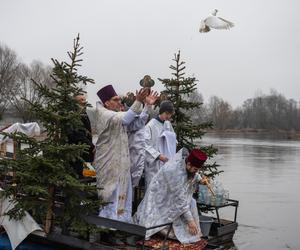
{"x":263,"y":173}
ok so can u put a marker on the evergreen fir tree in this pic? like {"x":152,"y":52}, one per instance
{"x":43,"y":170}
{"x":178,"y":90}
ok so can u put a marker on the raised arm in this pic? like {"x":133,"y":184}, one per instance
{"x":134,"y":110}
{"x":141,"y":120}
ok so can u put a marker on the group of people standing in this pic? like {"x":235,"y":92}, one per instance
{"x":129,"y":146}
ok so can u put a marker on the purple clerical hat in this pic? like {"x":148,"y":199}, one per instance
{"x":106,"y":93}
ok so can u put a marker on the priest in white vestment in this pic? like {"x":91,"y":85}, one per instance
{"x":112,"y":161}
{"x":169,"y":198}
{"x":160,"y":141}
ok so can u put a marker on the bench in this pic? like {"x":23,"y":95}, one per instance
{"x":126,"y":227}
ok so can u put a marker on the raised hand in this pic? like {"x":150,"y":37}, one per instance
{"x":204,"y":180}
{"x":151,"y":98}
{"x":141,"y":94}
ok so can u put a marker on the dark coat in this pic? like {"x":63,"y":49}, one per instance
{"x":83,"y":136}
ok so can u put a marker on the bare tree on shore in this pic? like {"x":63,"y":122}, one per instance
{"x":9,"y":66}
{"x":198,"y":115}
{"x":25,"y":88}
{"x":219,"y":112}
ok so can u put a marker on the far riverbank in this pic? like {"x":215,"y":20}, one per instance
{"x":263,"y":133}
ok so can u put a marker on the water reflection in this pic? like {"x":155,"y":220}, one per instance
{"x":263,"y":173}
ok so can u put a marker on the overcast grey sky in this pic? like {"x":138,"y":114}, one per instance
{"x":125,"y":39}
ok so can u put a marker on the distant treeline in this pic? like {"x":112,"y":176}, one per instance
{"x":267,"y":111}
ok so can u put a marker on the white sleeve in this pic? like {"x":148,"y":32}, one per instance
{"x":152,"y":153}
{"x":130,"y":115}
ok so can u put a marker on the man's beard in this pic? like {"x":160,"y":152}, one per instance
{"x":190,"y":175}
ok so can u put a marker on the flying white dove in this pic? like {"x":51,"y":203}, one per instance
{"x":214,"y":22}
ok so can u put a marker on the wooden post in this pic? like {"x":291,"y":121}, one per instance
{"x":3,"y":149}
{"x":15,"y":147}
{"x":49,"y":215}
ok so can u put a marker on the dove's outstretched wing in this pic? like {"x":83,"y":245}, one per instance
{"x":230,"y":24}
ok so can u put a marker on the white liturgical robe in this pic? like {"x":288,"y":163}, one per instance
{"x":160,"y":139}
{"x":112,"y":161}
{"x":169,"y":198}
